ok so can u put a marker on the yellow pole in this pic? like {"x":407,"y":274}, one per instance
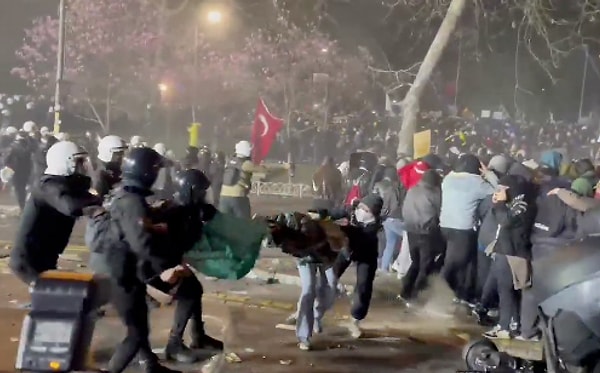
{"x":56,"y":122}
{"x":194,"y":132}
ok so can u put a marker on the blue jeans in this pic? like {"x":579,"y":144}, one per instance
{"x":318,"y":295}
{"x":393,"y":229}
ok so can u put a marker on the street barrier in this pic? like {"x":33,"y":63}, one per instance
{"x":265,"y":188}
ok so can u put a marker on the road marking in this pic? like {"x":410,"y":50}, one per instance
{"x":281,"y":306}
{"x":70,"y":248}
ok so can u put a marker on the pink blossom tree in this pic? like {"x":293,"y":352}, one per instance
{"x":301,"y":71}
{"x":108,"y":55}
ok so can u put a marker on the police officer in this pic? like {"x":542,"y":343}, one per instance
{"x":204,"y":158}
{"x":237,"y":182}
{"x":111,"y":150}
{"x":217,"y":168}
{"x":190,"y":160}
{"x":185,"y":221}
{"x":51,"y":211}
{"x":133,"y":261}
{"x":19,"y":159}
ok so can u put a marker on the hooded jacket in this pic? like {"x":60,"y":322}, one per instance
{"x":392,"y":194}
{"x":509,"y":222}
{"x":462,"y":192}
{"x":555,"y":226}
{"x":422,"y":204}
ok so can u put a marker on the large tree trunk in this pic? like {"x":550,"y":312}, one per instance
{"x":410,"y":104}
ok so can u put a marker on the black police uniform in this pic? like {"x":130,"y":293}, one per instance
{"x":47,"y":223}
{"x":19,"y":159}
{"x":106,"y":176}
{"x":134,"y":262}
{"x":185,"y":221}
{"x":217,"y":168}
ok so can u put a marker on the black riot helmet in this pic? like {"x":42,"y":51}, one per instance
{"x":219,"y":157}
{"x":204,"y":158}
{"x":192,"y":151}
{"x":190,"y":187}
{"x":141,"y":166}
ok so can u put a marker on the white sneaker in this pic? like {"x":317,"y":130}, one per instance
{"x":291,"y":320}
{"x":355,"y":330}
{"x":304,"y":346}
{"x":532,"y":339}
{"x":493,"y":313}
{"x":497,"y":333}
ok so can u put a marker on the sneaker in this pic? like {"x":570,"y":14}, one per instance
{"x":497,"y":333}
{"x":493,"y":313}
{"x":404,"y":301}
{"x":304,"y":346}
{"x":355,"y":330}
{"x":291,"y":320}
{"x":493,"y":331}
{"x":535,"y":338}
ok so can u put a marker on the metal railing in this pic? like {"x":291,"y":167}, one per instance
{"x":265,"y":188}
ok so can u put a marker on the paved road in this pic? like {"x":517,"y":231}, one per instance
{"x":245,"y":313}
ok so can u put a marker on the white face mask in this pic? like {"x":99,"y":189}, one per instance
{"x":364,"y":217}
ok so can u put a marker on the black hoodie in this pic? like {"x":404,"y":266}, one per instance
{"x":509,"y":222}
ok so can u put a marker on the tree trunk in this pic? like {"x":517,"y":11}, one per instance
{"x":410,"y":104}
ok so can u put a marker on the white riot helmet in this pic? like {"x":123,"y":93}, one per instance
{"x":243,"y":149}
{"x":44,"y":131}
{"x":110,"y":145}
{"x":10,"y":130}
{"x":160,"y":148}
{"x":29,"y":126}
{"x":63,"y":157}
{"x":137,"y":141}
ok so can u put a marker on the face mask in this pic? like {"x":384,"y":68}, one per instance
{"x":364,"y":217}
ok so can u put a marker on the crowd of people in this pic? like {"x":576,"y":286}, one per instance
{"x":478,"y":210}
{"x":478,"y":221}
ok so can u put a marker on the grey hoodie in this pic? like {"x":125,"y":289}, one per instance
{"x":421,"y":209}
{"x":461,"y":194}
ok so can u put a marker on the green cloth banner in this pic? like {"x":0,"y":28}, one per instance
{"x":229,"y":247}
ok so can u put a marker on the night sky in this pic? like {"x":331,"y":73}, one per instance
{"x":15,"y":17}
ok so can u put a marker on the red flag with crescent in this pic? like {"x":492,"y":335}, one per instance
{"x":264,"y":132}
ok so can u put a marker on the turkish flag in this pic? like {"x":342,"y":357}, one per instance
{"x":264,"y":132}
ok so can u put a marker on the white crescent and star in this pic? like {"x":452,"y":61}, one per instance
{"x":265,"y":124}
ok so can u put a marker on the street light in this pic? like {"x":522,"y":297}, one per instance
{"x":214,"y":16}
{"x":162,"y":87}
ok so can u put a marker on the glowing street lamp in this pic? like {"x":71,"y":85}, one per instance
{"x":214,"y":17}
{"x":162,"y":87}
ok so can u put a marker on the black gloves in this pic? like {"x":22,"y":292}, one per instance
{"x":208,"y":212}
